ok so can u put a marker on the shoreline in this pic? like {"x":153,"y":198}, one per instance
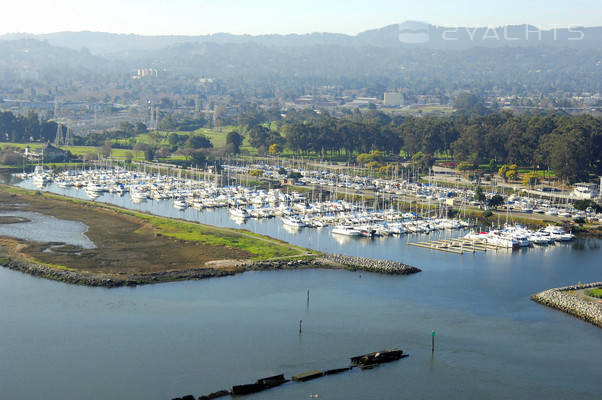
{"x":232,"y":251}
{"x":325,"y":261}
{"x":570,"y":303}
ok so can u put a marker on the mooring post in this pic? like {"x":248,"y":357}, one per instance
{"x":300,"y":322}
{"x":433,"y":338}
{"x":307,"y":298}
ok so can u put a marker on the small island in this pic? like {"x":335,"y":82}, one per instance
{"x":132,"y":248}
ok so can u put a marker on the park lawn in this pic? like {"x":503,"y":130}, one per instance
{"x":218,"y":135}
{"x":21,"y":145}
{"x":540,"y":173}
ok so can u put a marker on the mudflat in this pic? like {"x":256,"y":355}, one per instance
{"x":131,"y":243}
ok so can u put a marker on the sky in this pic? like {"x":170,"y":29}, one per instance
{"x":199,"y":17}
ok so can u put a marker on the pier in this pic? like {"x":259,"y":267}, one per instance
{"x":459,"y":246}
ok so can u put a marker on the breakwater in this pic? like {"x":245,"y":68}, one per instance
{"x":75,"y":277}
{"x":369,"y":265}
{"x":566,"y":299}
{"x":328,"y":261}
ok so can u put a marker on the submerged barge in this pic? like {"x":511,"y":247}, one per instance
{"x":365,"y":361}
{"x":377,"y":358}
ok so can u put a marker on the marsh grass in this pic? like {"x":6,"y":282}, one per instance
{"x":134,"y":242}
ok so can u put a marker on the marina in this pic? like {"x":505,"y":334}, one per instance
{"x":477,"y":303}
{"x":295,"y":211}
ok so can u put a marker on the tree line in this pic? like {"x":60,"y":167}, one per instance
{"x":569,"y":145}
{"x":29,"y":128}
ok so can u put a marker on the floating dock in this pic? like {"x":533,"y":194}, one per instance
{"x":459,"y":246}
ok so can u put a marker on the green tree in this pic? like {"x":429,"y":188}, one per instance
{"x":424,"y":161}
{"x":495,"y":201}
{"x":173,"y":138}
{"x":259,"y":136}
{"x":583,"y":205}
{"x":234,"y":139}
{"x":199,"y":142}
{"x":149,"y":154}
{"x":106,"y":148}
{"x":470,"y":104}
{"x":197,"y":158}
{"x":479,"y":195}
{"x":295,"y":175}
{"x":140,"y":128}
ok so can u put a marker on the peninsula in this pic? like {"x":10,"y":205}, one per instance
{"x":132,"y":248}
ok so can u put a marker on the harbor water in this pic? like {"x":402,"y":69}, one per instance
{"x":63,"y":341}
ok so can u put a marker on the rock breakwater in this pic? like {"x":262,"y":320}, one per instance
{"x":329,"y":261}
{"x":112,"y":281}
{"x":370,"y":265}
{"x":568,"y":300}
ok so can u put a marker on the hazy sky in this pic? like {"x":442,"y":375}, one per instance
{"x":193,"y":17}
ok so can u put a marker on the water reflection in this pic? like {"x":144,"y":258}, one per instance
{"x":394,"y":248}
{"x":492,"y":341}
{"x":586,"y":244}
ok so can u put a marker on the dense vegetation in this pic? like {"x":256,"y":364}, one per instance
{"x":570,"y":145}
{"x":20,"y":129}
{"x":474,"y":135}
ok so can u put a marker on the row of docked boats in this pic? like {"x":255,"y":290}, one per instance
{"x":400,"y":187}
{"x":518,"y":236}
{"x":293,"y":208}
{"x":295,"y":211}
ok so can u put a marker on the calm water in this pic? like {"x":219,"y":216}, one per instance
{"x":40,"y":227}
{"x":155,"y":342}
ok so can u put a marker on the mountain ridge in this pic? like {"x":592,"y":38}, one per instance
{"x":394,"y":35}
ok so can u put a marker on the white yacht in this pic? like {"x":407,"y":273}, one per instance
{"x":346,"y":230}
{"x":559,"y":234}
{"x":94,"y":188}
{"x":293,"y":220}
{"x":180,"y":203}
{"x":238,"y":213}
{"x":139,"y":195}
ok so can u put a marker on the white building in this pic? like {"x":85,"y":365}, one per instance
{"x":585,"y":191}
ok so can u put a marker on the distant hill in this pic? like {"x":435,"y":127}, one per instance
{"x":420,"y":57}
{"x":34,"y":53}
{"x":406,"y":34}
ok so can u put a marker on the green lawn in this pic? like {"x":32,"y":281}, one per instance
{"x":595,"y":293}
